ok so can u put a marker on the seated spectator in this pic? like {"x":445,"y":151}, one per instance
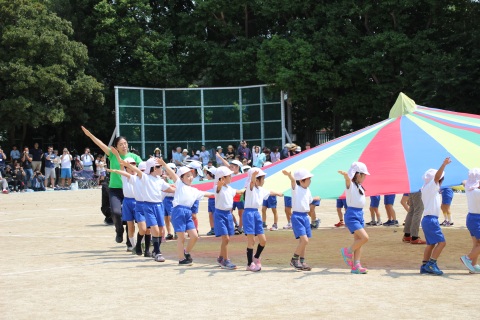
{"x":38,"y":183}
{"x":15,"y":154}
{"x":18,"y":178}
{"x":185,"y":156}
{"x":3,"y":161}
{"x":4,"y":184}
{"x":78,"y":166}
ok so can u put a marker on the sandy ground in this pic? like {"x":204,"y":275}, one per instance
{"x":59,"y":261}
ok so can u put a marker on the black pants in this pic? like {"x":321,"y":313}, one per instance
{"x":107,"y":212}
{"x":116,"y":200}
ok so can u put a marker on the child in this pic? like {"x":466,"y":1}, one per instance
{"x":472,"y":190}
{"x":315,"y":222}
{"x":255,"y":194}
{"x":388,"y":201}
{"x":447,"y":197}
{"x":355,"y":195}
{"x":287,"y":200}
{"x":197,"y":173}
{"x":168,"y":204}
{"x":100,"y":165}
{"x":144,"y":235}
{"x":152,"y":187}
{"x":301,"y":200}
{"x":210,"y":174}
{"x":183,"y":200}
{"x":271,"y":203}
{"x":341,"y":203}
{"x":431,"y":228}
{"x":374,"y":203}
{"x":223,"y":220}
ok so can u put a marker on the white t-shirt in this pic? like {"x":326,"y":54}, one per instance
{"x":224,"y":198}
{"x":137,"y":188}
{"x":205,"y":157}
{"x":127,"y":187}
{"x":301,"y":199}
{"x":87,"y":160}
{"x":186,"y":195}
{"x":431,"y":198}
{"x":254,"y":198}
{"x":66,"y":161}
{"x":473,"y":201}
{"x":100,"y":166}
{"x":354,"y":198}
{"x":153,"y":187}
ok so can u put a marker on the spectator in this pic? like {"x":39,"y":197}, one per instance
{"x":18,"y":178}
{"x":195,"y":155}
{"x":37,"y":155}
{"x":78,"y":165}
{"x":288,"y":150}
{"x":204,"y":156}
{"x":27,"y":166}
{"x":3,"y":160}
{"x":177,"y":157}
{"x":259,"y":157}
{"x":57,"y":161}
{"x":307,"y":145}
{"x":275,"y":155}
{"x":4,"y":184}
{"x":66,"y":173}
{"x":101,"y":172}
{"x":157,"y":153}
{"x":87,"y":160}
{"x":38,"y":183}
{"x":184,"y":156}
{"x":50,"y":167}
{"x":219,"y":156}
{"x":268,"y":157}
{"x":15,"y":154}
{"x":244,"y":152}
{"x":230,"y":155}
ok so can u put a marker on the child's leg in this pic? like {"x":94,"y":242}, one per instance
{"x":224,"y":247}
{"x":427,"y":254}
{"x":275,"y":216}
{"x":437,"y":250}
{"x":372,"y":213}
{"x":377,"y":213}
{"x":444,"y":211}
{"x":240,"y":220}
{"x":360,"y":237}
{"x":131,"y":232}
{"x":195,"y":221}
{"x":250,"y":245}
{"x":473,"y":255}
{"x":210,"y":219}
{"x":192,"y":233}
{"x":288,"y":213}
{"x":180,"y":245}
{"x":312,"y":213}
{"x":264,"y":214}
{"x":302,"y":244}
{"x":340,"y":214}
{"x":167,"y":225}
{"x":389,"y":212}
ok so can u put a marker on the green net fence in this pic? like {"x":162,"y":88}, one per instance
{"x":190,"y":117}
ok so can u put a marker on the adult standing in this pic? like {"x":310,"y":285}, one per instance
{"x":413,"y":219}
{"x":177,"y":157}
{"x":27,"y":166}
{"x":37,"y":155}
{"x":244,"y":152}
{"x":115,"y":185}
{"x":66,"y":171}
{"x":230,"y":155}
{"x":204,"y":156}
{"x":50,"y":167}
{"x":87,"y":160}
{"x":3,"y":160}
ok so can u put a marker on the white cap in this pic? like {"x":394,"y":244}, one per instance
{"x":473,"y":179}
{"x":150,"y":164}
{"x":246,"y":168}
{"x":185,"y":150}
{"x":196,"y":165}
{"x":260,"y":173}
{"x":267,"y":163}
{"x":429,"y":175}
{"x":183,"y":170}
{"x":198,"y":152}
{"x":298,"y":149}
{"x":239,"y":164}
{"x":357,"y":167}
{"x":142,"y":166}
{"x":219,"y":147}
{"x":301,"y":174}
{"x":212,"y":170}
{"x":222,"y":172}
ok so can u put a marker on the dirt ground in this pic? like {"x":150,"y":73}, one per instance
{"x":59,"y":261}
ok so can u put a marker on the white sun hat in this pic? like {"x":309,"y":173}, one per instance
{"x":183,"y":170}
{"x":429,"y":175}
{"x":196,"y":165}
{"x":357,"y":167}
{"x":142,"y":166}
{"x":222,"y":172}
{"x":473,"y":179}
{"x":260,"y":173}
{"x":301,"y":174}
{"x":212,"y":170}
{"x":152,"y":162}
{"x":239,"y":164}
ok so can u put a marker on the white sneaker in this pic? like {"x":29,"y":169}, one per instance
{"x":288,"y":226}
{"x":253,"y":267}
{"x":274,"y":227}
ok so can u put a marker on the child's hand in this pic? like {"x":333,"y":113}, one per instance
{"x":254,"y":175}
{"x":285,"y":172}
{"x":447,"y":161}
{"x":110,"y":170}
{"x":343,"y":173}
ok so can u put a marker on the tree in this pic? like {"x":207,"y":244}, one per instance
{"x":42,"y":71}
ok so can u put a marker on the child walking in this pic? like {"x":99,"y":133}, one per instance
{"x":472,"y":190}
{"x":210,"y":175}
{"x":183,"y":200}
{"x":431,"y":227}
{"x":301,"y":200}
{"x":355,"y":195}
{"x":255,"y":194}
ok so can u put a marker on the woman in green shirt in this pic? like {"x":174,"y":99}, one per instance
{"x":115,"y":186}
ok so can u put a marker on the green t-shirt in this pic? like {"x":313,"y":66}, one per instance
{"x":115,"y":178}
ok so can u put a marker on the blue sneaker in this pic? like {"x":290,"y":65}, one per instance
{"x":227,"y":264}
{"x":389,"y":223}
{"x":468,"y":263}
{"x":433,"y":268}
{"x":424,"y":270}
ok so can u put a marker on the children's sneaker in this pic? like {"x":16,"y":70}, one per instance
{"x":347,"y":256}
{"x":379,"y":223}
{"x":129,"y":249}
{"x":306,"y":267}
{"x":159,"y":257}
{"x":316,"y":224}
{"x":468,"y":263}
{"x":265,"y":225}
{"x":477,"y":269}
{"x":274,"y":227}
{"x":227,"y":264}
{"x":424,"y":270}
{"x":185,"y":262}
{"x":358,"y":269}
{"x":339,"y":224}
{"x":147,"y":254}
{"x":433,"y":268}
{"x":258,"y":262}
{"x":395,"y":223}
{"x":389,"y":223}
{"x":444,"y":223}
{"x":211,"y":232}
{"x":169,"y":237}
{"x":220,"y":261}
{"x":371,"y":223}
{"x":253,"y":267}
{"x":449,"y":224}
{"x":237,"y":232}
{"x":187,"y":256}
{"x":138,"y":253}
{"x":288,"y":226}
{"x":240,"y":230}
{"x":295,"y":263}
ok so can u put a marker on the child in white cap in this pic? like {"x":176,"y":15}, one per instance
{"x":210,"y":175}
{"x":301,"y":200}
{"x":183,"y":200}
{"x":355,"y":195}
{"x":198,"y":174}
{"x":223,"y":220}
{"x":152,"y":185}
{"x":252,"y":221}
{"x":168,"y":204}
{"x":432,"y":202}
{"x":472,"y":190}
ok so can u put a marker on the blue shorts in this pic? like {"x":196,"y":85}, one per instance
{"x":139,"y":214}
{"x":211,"y":205}
{"x":315,"y":203}
{"x":182,"y":219}
{"x":374,"y":201}
{"x":240,"y":205}
{"x":252,"y":222}
{"x":447,"y":196}
{"x":128,"y":209}
{"x":301,"y":224}
{"x":195,"y":206}
{"x":154,"y":214}
{"x":388,"y":199}
{"x":66,"y":173}
{"x":168,"y":205}
{"x":271,"y":202}
{"x":288,"y":201}
{"x":342,"y":203}
{"x":354,"y":219}
{"x":223,"y":223}
{"x":431,"y":229}
{"x":473,"y":224}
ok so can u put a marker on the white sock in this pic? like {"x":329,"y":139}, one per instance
{"x":133,"y":241}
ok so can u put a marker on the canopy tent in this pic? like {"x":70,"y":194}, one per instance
{"x":397,"y":152}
